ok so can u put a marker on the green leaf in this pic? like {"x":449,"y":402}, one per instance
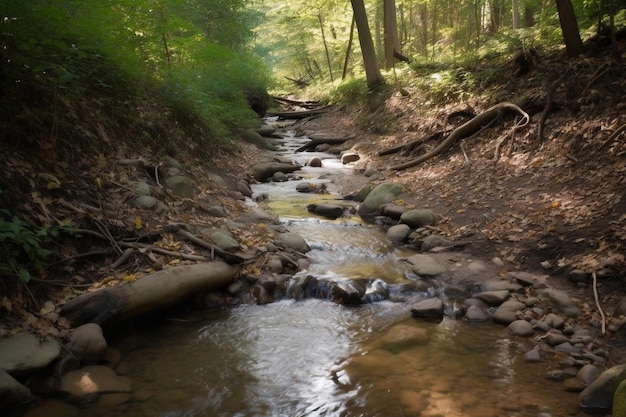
{"x":24,"y":275}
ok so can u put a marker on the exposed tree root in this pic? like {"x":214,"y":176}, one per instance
{"x":409,"y":147}
{"x":467,"y":129}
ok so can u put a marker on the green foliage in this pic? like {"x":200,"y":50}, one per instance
{"x":122,"y":54}
{"x":24,"y":249}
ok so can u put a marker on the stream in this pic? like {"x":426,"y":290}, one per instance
{"x":313,"y":357}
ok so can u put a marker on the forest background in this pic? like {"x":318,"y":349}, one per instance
{"x":178,"y":76}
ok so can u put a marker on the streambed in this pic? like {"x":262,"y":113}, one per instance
{"x":313,"y":357}
{"x":316,"y":358}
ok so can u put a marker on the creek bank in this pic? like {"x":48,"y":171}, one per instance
{"x":452,"y":289}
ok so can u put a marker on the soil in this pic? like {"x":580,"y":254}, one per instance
{"x":551,"y":205}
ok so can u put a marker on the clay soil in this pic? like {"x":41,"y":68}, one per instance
{"x":549,"y":204}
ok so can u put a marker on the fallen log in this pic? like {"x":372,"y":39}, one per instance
{"x":465,"y":130}
{"x":321,"y":140}
{"x":300,"y":114}
{"x":152,"y":292}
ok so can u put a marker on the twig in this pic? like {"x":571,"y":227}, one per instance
{"x":595,"y":296}
{"x":523,"y":122}
{"x":596,"y":76}
{"x":162,"y":251}
{"x":606,"y":142}
{"x":122,"y":259}
{"x":544,"y":115}
{"x":467,"y":161}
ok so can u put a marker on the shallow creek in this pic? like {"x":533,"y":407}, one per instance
{"x":316,"y":358}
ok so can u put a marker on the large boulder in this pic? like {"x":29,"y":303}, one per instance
{"x":417,"y":218}
{"x":382,"y":194}
{"x":597,"y":398}
{"x":292,"y":241}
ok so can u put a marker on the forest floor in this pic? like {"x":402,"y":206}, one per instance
{"x":552,"y":200}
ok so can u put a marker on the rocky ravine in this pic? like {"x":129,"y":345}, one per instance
{"x":549,"y":311}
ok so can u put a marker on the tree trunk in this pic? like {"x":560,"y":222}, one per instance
{"x":515,"y":7}
{"x":330,"y":67}
{"x":569,"y":27}
{"x":159,"y":290}
{"x":391,"y":33}
{"x":372,"y":73}
{"x":348,"y":50}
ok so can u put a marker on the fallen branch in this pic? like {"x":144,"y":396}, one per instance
{"x":465,"y":130}
{"x":319,"y":141}
{"x":610,"y":139}
{"x":230,"y":258}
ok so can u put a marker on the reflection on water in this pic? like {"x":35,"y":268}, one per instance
{"x":316,"y":358}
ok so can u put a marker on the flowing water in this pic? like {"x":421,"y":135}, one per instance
{"x":316,"y":358}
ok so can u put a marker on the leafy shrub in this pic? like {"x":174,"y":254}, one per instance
{"x":24,"y":248}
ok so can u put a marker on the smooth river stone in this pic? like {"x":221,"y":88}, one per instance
{"x":507,"y":312}
{"x":87,"y":383}
{"x":425,"y":265}
{"x":494,"y":298}
{"x":403,"y":336}
{"x":430,"y":308}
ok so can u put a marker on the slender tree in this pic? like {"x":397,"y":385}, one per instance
{"x":569,"y":27}
{"x":392,"y":45}
{"x":372,"y":73}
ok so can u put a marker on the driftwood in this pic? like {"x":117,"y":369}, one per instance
{"x":322,"y":140}
{"x":465,"y":130}
{"x":300,"y":114}
{"x":156,"y":291}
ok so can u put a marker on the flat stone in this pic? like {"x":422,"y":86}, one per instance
{"x":561,"y":301}
{"x":494,"y":298}
{"x":87,"y":383}
{"x":26,"y":352}
{"x":331,"y":211}
{"x":430,"y":308}
{"x":507,"y":312}
{"x":425,"y":265}
{"x":431,"y":242}
{"x":402,"y":336}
